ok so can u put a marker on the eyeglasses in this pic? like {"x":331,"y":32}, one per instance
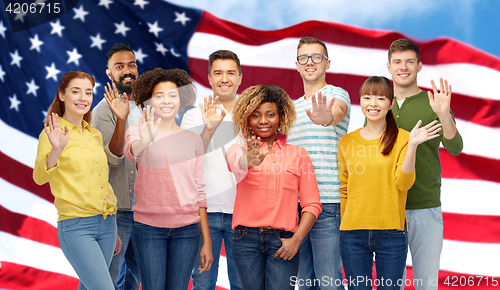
{"x":316,"y":58}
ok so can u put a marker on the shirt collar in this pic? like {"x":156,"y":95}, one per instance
{"x":70,"y":126}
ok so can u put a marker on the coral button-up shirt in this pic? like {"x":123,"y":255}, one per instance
{"x":268,"y":194}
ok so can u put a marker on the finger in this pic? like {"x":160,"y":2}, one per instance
{"x":125,"y":97}
{"x":313,"y":100}
{"x":257,"y":142}
{"x":430,"y":124}
{"x":330,"y":103}
{"x":309,"y":114}
{"x":441,"y":85}
{"x":115,"y":91}
{"x":66,"y":130}
{"x":216,"y":99}
{"x":278,"y":252}
{"x":417,"y":125}
{"x":431,"y":97}
{"x":205,"y":103}
{"x":434,"y":88}
{"x":450,"y":91}
{"x":322,"y":97}
{"x":51,"y":127}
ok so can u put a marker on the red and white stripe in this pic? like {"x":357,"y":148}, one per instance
{"x":29,"y":251}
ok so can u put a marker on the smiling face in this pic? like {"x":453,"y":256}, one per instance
{"x":265,"y":121}
{"x":77,"y":99}
{"x":224,"y":78}
{"x":312,"y":72}
{"x":404,"y":67}
{"x":374,"y":107}
{"x":122,"y":70}
{"x":165,"y":100}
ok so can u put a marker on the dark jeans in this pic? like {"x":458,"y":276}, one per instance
{"x":253,"y":252}
{"x":165,"y":255}
{"x":357,"y":248}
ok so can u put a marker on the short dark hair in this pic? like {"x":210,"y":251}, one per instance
{"x":117,"y":48}
{"x":144,"y":85}
{"x":403,"y":44}
{"x":311,"y":40}
{"x":223,"y":54}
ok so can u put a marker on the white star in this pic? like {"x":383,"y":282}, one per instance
{"x":2,"y":29}
{"x":44,"y":114}
{"x":105,"y":3}
{"x":14,"y":102}
{"x":80,"y":13}
{"x":16,"y":59}
{"x":57,"y":28}
{"x":52,"y":72}
{"x":36,"y":43}
{"x":32,"y":87}
{"x":181,"y":17}
{"x":139,"y":55}
{"x":121,"y":28}
{"x":161,"y":48}
{"x":94,"y":91}
{"x":2,"y":73}
{"x":97,"y":41}
{"x":74,"y":56}
{"x":153,"y":28}
{"x":141,"y":3}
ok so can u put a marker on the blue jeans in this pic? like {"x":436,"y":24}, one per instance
{"x":123,"y":268}
{"x":253,"y":251}
{"x":425,"y":239}
{"x":390,"y":248}
{"x":88,"y":244}
{"x":165,"y":255}
{"x":320,"y":264}
{"x":220,"y":229}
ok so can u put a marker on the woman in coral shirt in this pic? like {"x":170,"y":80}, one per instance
{"x":271,"y":176}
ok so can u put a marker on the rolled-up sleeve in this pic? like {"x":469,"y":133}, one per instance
{"x":233,"y":156}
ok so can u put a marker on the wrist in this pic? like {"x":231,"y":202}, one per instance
{"x":326,"y":125}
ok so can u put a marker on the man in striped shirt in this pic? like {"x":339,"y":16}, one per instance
{"x":322,"y":119}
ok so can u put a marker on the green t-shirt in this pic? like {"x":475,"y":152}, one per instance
{"x":426,"y":192}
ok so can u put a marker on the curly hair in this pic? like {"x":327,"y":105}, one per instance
{"x":253,"y":97}
{"x":57,"y":105}
{"x":142,"y":89}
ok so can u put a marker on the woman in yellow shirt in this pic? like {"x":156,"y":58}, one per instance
{"x":377,"y":167}
{"x":71,"y":159}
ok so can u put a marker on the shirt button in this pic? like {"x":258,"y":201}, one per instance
{"x":132,"y":172}
{"x":97,"y":163}
{"x":101,"y":187}
{"x":397,"y":116}
{"x":87,"y":141}
{"x":99,"y":174}
{"x":130,"y":190}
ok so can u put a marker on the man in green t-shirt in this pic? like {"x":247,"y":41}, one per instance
{"x":423,"y":206}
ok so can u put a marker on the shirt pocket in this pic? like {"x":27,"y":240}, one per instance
{"x":254,"y":178}
{"x":291,"y":177}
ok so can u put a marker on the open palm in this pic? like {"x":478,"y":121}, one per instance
{"x":119,"y":108}
{"x":57,"y":138}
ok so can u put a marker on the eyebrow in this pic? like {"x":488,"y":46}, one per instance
{"x":124,"y":62}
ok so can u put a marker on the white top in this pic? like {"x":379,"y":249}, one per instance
{"x":220,"y":184}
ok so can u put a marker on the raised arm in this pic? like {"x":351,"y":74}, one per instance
{"x":58,"y":140}
{"x":211,"y":119}
{"x":326,"y":113}
{"x":120,"y":110}
{"x":440,"y":103}
{"x":148,"y":129}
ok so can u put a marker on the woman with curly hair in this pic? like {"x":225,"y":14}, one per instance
{"x":171,"y":207}
{"x":270,"y":175}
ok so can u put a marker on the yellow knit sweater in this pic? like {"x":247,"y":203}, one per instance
{"x":373,"y":186}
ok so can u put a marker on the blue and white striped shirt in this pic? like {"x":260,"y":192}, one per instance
{"x":321,"y":143}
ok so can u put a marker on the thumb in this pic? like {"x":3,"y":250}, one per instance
{"x":309,"y":114}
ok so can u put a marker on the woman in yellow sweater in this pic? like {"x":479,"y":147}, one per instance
{"x":377,"y":167}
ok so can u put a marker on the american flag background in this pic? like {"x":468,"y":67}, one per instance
{"x":166,"y":35}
